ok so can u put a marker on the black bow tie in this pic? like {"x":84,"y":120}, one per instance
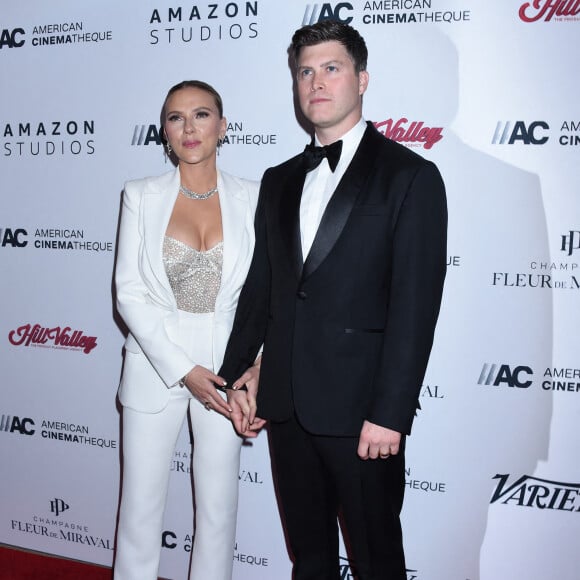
{"x":313,"y":155}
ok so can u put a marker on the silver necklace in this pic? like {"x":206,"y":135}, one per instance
{"x":194,"y":195}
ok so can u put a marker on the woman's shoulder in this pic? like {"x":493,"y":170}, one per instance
{"x":150,"y":183}
{"x":235,"y":184}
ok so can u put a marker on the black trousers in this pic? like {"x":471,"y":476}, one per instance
{"x":318,"y":478}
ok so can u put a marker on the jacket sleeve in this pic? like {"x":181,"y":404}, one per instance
{"x":418,"y":272}
{"x":148,"y":321}
{"x":249,"y":329}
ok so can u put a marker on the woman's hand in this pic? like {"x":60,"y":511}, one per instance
{"x":201,"y":383}
{"x":243,"y":403}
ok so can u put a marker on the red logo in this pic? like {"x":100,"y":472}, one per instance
{"x":57,"y":337}
{"x":414,"y":134}
{"x":547,"y":9}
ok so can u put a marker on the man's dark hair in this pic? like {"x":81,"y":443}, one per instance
{"x":328,"y":30}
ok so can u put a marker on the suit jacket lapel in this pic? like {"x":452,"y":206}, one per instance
{"x":340,"y":205}
{"x":290,"y":216}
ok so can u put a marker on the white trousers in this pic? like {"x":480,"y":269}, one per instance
{"x":149,"y":441}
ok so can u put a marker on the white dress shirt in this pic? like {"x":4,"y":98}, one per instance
{"x":320,"y":184}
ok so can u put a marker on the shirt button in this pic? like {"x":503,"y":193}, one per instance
{"x":301,"y":294}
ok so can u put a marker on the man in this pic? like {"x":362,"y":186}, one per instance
{"x":343,"y":292}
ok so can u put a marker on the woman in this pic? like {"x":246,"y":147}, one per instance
{"x":185,"y":244}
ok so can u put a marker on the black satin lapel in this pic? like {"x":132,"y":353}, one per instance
{"x":340,"y":205}
{"x":290,"y":219}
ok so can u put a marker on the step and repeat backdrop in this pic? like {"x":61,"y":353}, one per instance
{"x":487,"y":90}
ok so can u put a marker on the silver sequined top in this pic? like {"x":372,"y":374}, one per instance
{"x":194,"y":275}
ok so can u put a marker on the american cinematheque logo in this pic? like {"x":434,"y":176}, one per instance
{"x":547,"y":10}
{"x":411,"y":12}
{"x":60,"y":238}
{"x":202,"y":23}
{"x":59,"y":337}
{"x":238,"y":133}
{"x":44,"y":35}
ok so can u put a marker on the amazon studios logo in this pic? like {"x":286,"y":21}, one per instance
{"x":229,"y":21}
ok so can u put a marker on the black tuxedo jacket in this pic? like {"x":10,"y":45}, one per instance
{"x":347,"y":332}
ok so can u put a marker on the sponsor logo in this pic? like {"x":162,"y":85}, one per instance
{"x":14,"y":424}
{"x":546,"y":10}
{"x":409,"y":12}
{"x":503,"y":374}
{"x":570,"y":242}
{"x":229,"y":21}
{"x":73,"y":433}
{"x":532,"y":492}
{"x":348,"y":570}
{"x":13,"y":237}
{"x":249,"y":559}
{"x":510,"y":133}
{"x":424,"y":485}
{"x":319,"y":12}
{"x":432,"y":392}
{"x":453,"y":261}
{"x":237,"y":134}
{"x":48,"y":138}
{"x":56,"y":337}
{"x":570,"y":134}
{"x":561,"y":276}
{"x":67,"y":33}
{"x":57,"y":506}
{"x":12,"y":38}
{"x":250,"y":477}
{"x":60,"y":529}
{"x":557,"y":382}
{"x":410,"y":133}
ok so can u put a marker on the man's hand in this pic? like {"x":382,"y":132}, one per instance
{"x":243,"y":403}
{"x":376,"y":441}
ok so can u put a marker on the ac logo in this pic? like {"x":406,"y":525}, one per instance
{"x":16,"y":425}
{"x":10,"y":237}
{"x":145,"y":134}
{"x":319,"y":12}
{"x":10,"y":38}
{"x":492,"y":375}
{"x":528,"y":135}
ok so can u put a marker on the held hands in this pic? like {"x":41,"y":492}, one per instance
{"x":243,"y":403}
{"x":377,"y":442}
{"x":200,"y":381}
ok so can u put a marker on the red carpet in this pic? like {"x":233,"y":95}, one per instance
{"x":18,"y":564}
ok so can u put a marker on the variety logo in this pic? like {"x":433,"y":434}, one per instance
{"x":12,"y":38}
{"x":56,"y":337}
{"x":409,"y":12}
{"x":413,"y":134}
{"x":57,"y":506}
{"x":234,"y":15}
{"x":319,"y":12}
{"x":528,"y":491}
{"x":14,"y":424}
{"x":507,"y":133}
{"x":545,"y":10}
{"x":498,"y":374}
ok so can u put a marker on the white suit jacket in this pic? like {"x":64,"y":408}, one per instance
{"x":154,"y":359}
